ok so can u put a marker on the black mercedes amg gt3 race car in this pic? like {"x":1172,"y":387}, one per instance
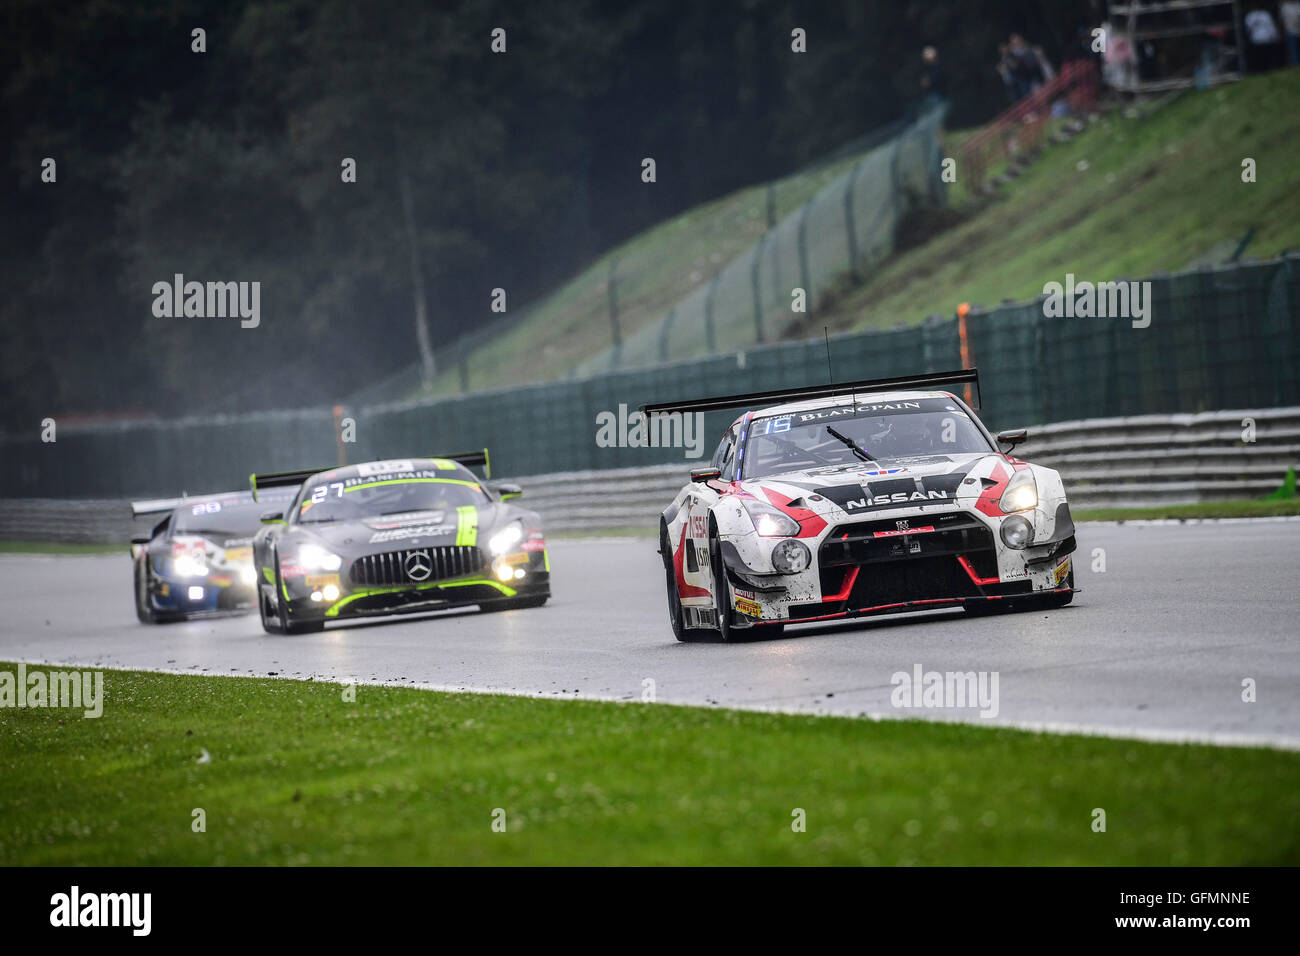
{"x":395,"y":537}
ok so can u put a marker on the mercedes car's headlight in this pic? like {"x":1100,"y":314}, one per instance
{"x":313,"y":557}
{"x":1021,"y":493}
{"x":768,"y":521}
{"x":505,"y":539}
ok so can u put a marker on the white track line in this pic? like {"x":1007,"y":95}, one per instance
{"x":1144,"y":734}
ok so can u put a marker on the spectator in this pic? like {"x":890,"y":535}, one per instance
{"x":1026,"y":71}
{"x":1118,"y":60}
{"x":934,"y":81}
{"x":1289,"y":11}
{"x":1265,"y":42}
{"x":1004,"y":71}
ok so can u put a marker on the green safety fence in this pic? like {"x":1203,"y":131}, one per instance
{"x":1219,"y":338}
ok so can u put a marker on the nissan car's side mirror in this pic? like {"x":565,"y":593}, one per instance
{"x":507,"y":489}
{"x":140,"y":539}
{"x":273,"y":517}
{"x":705,"y":474}
{"x":1012,"y":436}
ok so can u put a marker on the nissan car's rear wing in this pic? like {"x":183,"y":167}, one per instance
{"x":752,"y":399}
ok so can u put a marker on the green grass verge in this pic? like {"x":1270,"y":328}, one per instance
{"x":60,"y":547}
{"x":401,"y":776}
{"x":1203,"y":509}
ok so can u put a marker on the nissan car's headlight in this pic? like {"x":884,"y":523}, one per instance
{"x":505,"y":539}
{"x":768,"y":521}
{"x":1021,"y":493}
{"x":1017,"y":532}
{"x":791,"y":556}
{"x":313,"y":557}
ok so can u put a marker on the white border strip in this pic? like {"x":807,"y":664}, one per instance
{"x":1144,"y":734}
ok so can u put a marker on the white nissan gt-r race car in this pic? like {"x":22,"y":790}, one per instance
{"x":865,"y":498}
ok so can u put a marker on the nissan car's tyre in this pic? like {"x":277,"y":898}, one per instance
{"x":676,"y":618}
{"x":722,"y":597}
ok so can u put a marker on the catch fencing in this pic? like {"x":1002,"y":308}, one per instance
{"x":1226,"y":337}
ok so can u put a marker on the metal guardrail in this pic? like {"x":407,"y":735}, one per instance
{"x":1140,"y":460}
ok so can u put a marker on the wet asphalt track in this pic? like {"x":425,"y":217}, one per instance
{"x":1156,"y":646}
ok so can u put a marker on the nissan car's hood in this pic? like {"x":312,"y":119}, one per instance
{"x":888,"y":483}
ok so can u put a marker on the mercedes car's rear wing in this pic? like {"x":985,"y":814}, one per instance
{"x":470,"y":459}
{"x":753,"y":399}
{"x":284,"y":479}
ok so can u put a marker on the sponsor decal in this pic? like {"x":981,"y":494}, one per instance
{"x":1062,"y":570}
{"x":898,"y":498}
{"x":238,"y":554}
{"x":883,"y":471}
{"x":409,"y":517}
{"x":321,"y":580}
{"x":748,"y":608}
{"x":400,"y":534}
{"x":535,"y":544}
{"x":742,"y":593}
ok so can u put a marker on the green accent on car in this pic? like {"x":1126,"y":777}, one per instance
{"x":467,"y":525}
{"x":487,"y":464}
{"x":546,"y":560}
{"x":367,"y":592}
{"x":443,"y":464}
{"x":270,"y":578}
{"x":512,"y":495}
{"x":252,"y":482}
{"x":412,"y":481}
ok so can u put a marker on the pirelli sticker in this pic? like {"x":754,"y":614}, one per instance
{"x":1062,"y":570}
{"x":748,"y":608}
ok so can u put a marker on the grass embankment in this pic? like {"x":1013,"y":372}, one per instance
{"x":1128,"y":197}
{"x":296,"y":775}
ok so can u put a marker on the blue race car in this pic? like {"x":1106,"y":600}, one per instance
{"x":199,"y":558}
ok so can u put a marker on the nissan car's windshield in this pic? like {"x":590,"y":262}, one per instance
{"x":385,"y":495}
{"x":882,"y":430}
